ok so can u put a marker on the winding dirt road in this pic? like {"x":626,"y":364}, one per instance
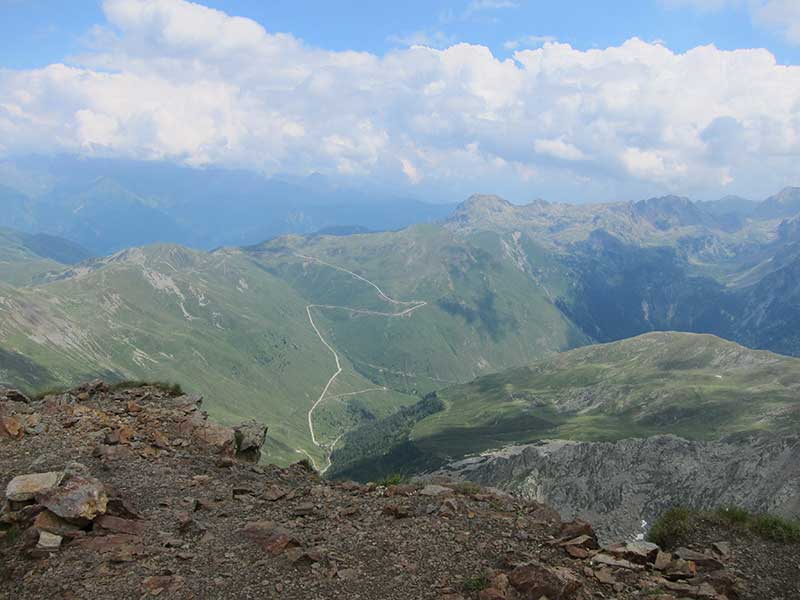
{"x":411,"y":305}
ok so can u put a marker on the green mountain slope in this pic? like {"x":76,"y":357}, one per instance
{"x":696,"y":386}
{"x":23,"y":256}
{"x":235,"y":323}
{"x":323,"y":335}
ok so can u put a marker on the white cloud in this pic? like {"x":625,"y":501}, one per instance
{"x":558,"y":148}
{"x":172,"y":79}
{"x":782,"y":15}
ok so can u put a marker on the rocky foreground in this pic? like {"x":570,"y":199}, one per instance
{"x":134,"y":493}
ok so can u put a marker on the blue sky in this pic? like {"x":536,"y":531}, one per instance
{"x":567,"y":100}
{"x":34,"y":33}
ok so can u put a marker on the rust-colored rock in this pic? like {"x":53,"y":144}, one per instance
{"x":535,"y":580}
{"x":157,"y":584}
{"x":52,"y":523}
{"x":119,"y":525}
{"x":79,"y":497}
{"x":11,"y":426}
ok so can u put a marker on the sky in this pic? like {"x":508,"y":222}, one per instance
{"x":569,"y":101}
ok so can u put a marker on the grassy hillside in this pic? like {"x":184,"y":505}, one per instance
{"x":234,"y":324}
{"x":379,"y":321}
{"x":696,"y":386}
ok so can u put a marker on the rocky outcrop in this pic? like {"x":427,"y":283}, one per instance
{"x":133,"y":494}
{"x":622,"y":487}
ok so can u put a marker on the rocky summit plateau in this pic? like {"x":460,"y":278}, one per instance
{"x":131,"y":492}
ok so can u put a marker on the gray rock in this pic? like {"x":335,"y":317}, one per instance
{"x":623,"y":487}
{"x":25,"y":487}
{"x":250,"y":437}
{"x":435,"y":490}
{"x":48,"y":541}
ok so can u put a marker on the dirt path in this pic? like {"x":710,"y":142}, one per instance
{"x":411,"y":305}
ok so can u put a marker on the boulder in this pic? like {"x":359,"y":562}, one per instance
{"x":704,"y":560}
{"x":535,"y":580}
{"x":435,"y":490}
{"x":24,"y":488}
{"x":80,"y":497}
{"x":269,"y":537}
{"x":119,"y":525}
{"x":638,"y":551}
{"x":52,"y":523}
{"x":250,"y":437}
{"x":221,"y":439}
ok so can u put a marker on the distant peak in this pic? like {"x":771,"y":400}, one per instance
{"x":787,"y":194}
{"x":486,"y":201}
{"x":670,"y":200}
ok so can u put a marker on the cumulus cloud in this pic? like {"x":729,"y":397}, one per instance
{"x":173,"y":79}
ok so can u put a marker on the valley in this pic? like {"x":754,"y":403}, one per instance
{"x":332,"y":338}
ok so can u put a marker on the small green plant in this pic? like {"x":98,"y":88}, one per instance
{"x":11,"y":535}
{"x":672,"y":528}
{"x":55,"y":391}
{"x":732,"y":515}
{"x":393,"y":479}
{"x":468,"y":487}
{"x":775,"y":528}
{"x":476,"y":583}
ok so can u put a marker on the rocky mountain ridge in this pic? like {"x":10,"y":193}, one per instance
{"x":623,"y":487}
{"x":134,"y":493}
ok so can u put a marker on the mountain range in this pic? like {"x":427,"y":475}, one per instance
{"x":335,"y":335}
{"x":107,"y":205}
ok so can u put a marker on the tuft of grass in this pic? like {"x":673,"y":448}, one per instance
{"x":11,"y":535}
{"x":468,"y":487}
{"x":54,"y":391}
{"x":672,"y":528}
{"x":393,"y":479}
{"x":476,"y":583}
{"x":732,"y":515}
{"x":776,"y":529}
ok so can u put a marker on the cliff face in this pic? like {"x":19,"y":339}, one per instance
{"x":622,"y":487}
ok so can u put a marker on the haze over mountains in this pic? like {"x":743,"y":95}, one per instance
{"x":111,"y":204}
{"x":322,"y":335}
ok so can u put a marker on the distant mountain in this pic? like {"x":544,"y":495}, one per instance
{"x":729,"y":205}
{"x":24,"y":256}
{"x":264,"y":327}
{"x":782,"y":205}
{"x":107,"y":205}
{"x":669,"y":212}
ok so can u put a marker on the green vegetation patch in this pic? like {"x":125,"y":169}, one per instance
{"x":675,"y":527}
